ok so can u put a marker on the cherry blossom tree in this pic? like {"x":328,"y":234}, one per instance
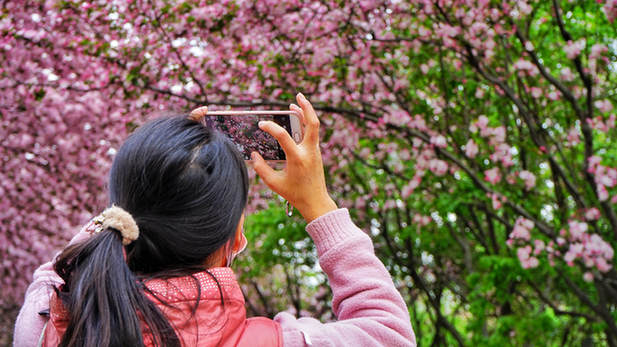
{"x":471,"y":138}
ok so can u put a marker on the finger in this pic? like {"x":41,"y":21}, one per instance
{"x":298,"y":112}
{"x":281,"y":135}
{"x":267,"y":174}
{"x":310,"y":119}
{"x":199,"y":113}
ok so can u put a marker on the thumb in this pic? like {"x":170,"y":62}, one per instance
{"x":199,"y":113}
{"x":264,"y":170}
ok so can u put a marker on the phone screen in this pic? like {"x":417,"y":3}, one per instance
{"x":247,"y":136}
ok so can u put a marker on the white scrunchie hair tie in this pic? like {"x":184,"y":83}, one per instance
{"x":119,"y":219}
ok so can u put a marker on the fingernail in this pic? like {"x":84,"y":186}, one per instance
{"x":301,"y":96}
{"x":253,"y":155}
{"x":261,"y":123}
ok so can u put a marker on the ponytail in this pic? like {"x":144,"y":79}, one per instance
{"x":105,"y":301}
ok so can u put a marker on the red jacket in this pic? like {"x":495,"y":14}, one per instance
{"x":212,"y":324}
{"x":369,"y":309}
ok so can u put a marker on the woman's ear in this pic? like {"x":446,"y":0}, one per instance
{"x":239,"y":240}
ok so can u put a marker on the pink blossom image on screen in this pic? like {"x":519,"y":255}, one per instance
{"x":247,"y":136}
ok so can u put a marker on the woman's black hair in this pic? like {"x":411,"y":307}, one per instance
{"x":186,"y":186}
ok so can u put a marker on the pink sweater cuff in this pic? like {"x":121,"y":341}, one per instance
{"x":331,"y":229}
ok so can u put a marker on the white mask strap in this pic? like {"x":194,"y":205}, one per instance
{"x":232,"y":255}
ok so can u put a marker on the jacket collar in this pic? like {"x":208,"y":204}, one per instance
{"x":185,"y":288}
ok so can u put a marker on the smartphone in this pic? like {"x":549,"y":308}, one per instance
{"x":241,"y":127}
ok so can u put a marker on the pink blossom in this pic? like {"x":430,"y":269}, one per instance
{"x":524,"y":7}
{"x":529,"y":46}
{"x":569,"y":258}
{"x":553,"y":95}
{"x":592,"y":250}
{"x":418,"y":123}
{"x":603,"y":265}
{"x":575,"y":251}
{"x":538,"y":246}
{"x":511,"y":178}
{"x":567,"y":74}
{"x":592,"y":214}
{"x":521,"y":230}
{"x":529,"y":178}
{"x":597,"y":246}
{"x":573,"y":49}
{"x":495,"y":201}
{"x":526,"y":260}
{"x":439,"y":141}
{"x":482,"y":122}
{"x":605,"y":176}
{"x":389,"y":204}
{"x":507,"y":161}
{"x":610,"y":122}
{"x":499,"y":133}
{"x":610,"y":10}
{"x":528,"y":224}
{"x":471,"y":149}
{"x":409,"y":187}
{"x":421,"y":220}
{"x":577,"y":229}
{"x":603,"y":106}
{"x":597,"y":50}
{"x":446,"y":31}
{"x":593,"y":161}
{"x":523,"y":253}
{"x":532,"y":262}
{"x":438,"y":167}
{"x":424,"y":32}
{"x":536,"y":92}
{"x":520,"y":233}
{"x":602,"y":193}
{"x":492,"y":176}
{"x":527,"y":67}
{"x":588,"y":276}
{"x":482,"y":125}
{"x":573,"y":137}
{"x":502,"y":153}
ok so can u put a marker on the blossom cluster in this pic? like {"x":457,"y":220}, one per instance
{"x":590,"y":249}
{"x":77,"y":77}
{"x":575,"y":241}
{"x":610,"y":10}
{"x":521,"y":233}
{"x":605,"y":178}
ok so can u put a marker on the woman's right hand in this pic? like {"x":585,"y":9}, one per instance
{"x":302,"y":181}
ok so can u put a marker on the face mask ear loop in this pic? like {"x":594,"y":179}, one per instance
{"x":231,"y":255}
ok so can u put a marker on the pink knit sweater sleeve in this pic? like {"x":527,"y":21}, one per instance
{"x":370,"y":311}
{"x":29,"y":324}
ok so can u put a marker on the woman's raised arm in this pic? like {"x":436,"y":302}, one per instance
{"x":370,"y":311}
